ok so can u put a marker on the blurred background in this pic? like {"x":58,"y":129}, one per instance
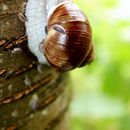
{"x":101,"y":99}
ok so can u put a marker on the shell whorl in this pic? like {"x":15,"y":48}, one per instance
{"x":69,"y":39}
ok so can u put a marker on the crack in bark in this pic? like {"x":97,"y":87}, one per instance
{"x":10,"y":44}
{"x":27,"y":91}
{"x":8,"y":73}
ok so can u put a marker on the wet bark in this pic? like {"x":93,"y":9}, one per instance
{"x":32,"y":96}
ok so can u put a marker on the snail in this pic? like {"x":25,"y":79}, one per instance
{"x":67,"y":42}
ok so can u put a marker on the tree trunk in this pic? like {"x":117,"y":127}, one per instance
{"x":32,"y":96}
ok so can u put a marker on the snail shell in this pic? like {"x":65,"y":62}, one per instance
{"x":68,"y":43}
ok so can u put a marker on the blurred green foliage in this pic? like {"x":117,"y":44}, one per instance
{"x":102,"y":89}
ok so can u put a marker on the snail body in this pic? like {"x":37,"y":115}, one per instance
{"x":68,"y":43}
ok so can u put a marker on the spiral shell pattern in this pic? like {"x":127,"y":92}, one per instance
{"x":68,"y":43}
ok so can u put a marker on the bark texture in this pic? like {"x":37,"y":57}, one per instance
{"x":32,"y":96}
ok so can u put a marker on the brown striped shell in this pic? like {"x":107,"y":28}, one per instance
{"x":69,"y":39}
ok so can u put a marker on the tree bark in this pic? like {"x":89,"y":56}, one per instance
{"x":32,"y":96}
